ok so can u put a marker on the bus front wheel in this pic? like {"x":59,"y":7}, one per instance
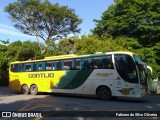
{"x":25,"y":89}
{"x":34,"y":90}
{"x":104,"y":93}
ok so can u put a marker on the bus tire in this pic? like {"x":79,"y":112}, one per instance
{"x":104,"y":93}
{"x":34,"y":90}
{"x":25,"y":89}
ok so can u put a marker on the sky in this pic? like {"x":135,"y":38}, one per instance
{"x":87,"y":10}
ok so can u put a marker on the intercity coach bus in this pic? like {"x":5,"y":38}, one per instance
{"x":102,"y":74}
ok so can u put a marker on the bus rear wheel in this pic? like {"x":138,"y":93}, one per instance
{"x":25,"y":89}
{"x":34,"y":90}
{"x":104,"y":93}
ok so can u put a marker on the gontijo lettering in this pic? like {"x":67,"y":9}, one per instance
{"x":41,"y":75}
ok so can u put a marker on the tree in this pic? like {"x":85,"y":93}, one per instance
{"x":66,"y":46}
{"x":3,"y":70}
{"x":28,"y":50}
{"x":12,"y":50}
{"x":3,"y":65}
{"x":16,"y":51}
{"x":138,"y":19}
{"x":91,"y":44}
{"x":5,"y":41}
{"x":23,"y":51}
{"x":87,"y":45}
{"x":43,"y":19}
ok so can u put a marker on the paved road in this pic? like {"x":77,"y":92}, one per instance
{"x":13,"y":101}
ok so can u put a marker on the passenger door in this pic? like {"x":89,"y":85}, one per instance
{"x":119,"y":83}
{"x":127,"y":81}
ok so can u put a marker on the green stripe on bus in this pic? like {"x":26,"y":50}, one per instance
{"x":73,"y":79}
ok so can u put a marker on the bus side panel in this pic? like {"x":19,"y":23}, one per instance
{"x":61,"y":80}
{"x":72,"y":81}
{"x":133,"y":89}
{"x":44,"y":80}
{"x":47,"y":80}
{"x":14,"y":81}
{"x":103,"y":77}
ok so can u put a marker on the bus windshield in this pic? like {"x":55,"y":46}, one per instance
{"x":141,"y":70}
{"x":137,"y":59}
{"x":142,"y":74}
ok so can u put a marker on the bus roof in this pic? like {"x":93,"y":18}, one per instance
{"x":60,"y":57}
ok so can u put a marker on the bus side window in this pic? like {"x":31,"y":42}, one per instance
{"x":62,"y":64}
{"x":24,"y":67}
{"x":58,"y":65}
{"x":20,"y":68}
{"x":107,"y":62}
{"x":73,"y":64}
{"x":34,"y":66}
{"x":40,"y":66}
{"x":28,"y":67}
{"x":54,"y":65}
{"x":14,"y":67}
{"x":90,"y":63}
{"x":48,"y":65}
{"x":43,"y":66}
{"x":83,"y":63}
{"x":67,"y":64}
{"x":101,"y":64}
{"x":97,"y":64}
{"x":77,"y":64}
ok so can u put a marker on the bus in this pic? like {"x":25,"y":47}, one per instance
{"x":104,"y":75}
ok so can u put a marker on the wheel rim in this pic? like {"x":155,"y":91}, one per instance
{"x":34,"y":90}
{"x":105,"y":93}
{"x":25,"y":89}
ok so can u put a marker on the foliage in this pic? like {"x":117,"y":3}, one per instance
{"x":135,"y":26}
{"x":13,"y":48}
{"x":29,"y":50}
{"x":43,"y":19}
{"x":137,"y":19}
{"x":5,"y":41}
{"x":87,"y":45}
{"x":3,"y":66}
{"x":128,"y":25}
{"x":16,"y":51}
{"x":66,"y":46}
{"x":3,"y":70}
